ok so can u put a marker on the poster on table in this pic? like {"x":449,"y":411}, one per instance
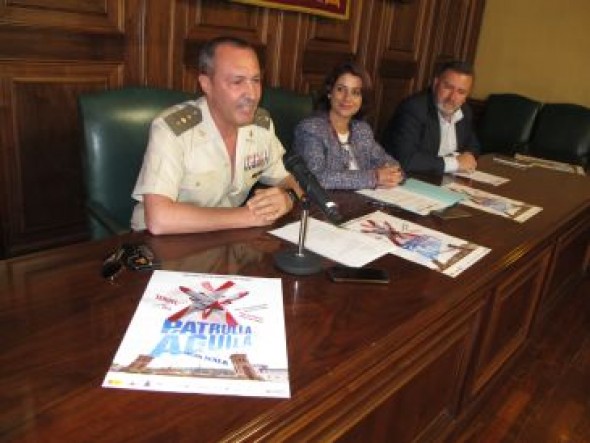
{"x":438,"y":251}
{"x":495,"y":204}
{"x":205,"y":333}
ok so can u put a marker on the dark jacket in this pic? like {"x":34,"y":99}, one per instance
{"x":412,"y":135}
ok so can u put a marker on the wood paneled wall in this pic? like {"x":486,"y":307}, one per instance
{"x":53,"y":50}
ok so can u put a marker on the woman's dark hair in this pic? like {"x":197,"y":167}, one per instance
{"x":323,"y":101}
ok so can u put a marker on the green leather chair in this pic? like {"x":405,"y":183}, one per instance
{"x":287,"y":108}
{"x":116,"y":130}
{"x":507,"y":123}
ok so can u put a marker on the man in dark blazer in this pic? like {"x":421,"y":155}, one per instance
{"x":432,"y":131}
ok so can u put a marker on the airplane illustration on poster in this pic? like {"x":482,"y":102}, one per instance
{"x":206,"y":334}
{"x":209,"y":300}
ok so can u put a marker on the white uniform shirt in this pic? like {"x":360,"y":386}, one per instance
{"x":187,"y":161}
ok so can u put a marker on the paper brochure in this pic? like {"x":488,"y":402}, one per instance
{"x":495,"y":204}
{"x":204,"y":333}
{"x":340,"y":245}
{"x":482,"y":177}
{"x":550,"y":164}
{"x":435,"y":250}
{"x":512,"y":162}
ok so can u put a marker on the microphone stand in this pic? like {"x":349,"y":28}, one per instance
{"x":299,"y":261}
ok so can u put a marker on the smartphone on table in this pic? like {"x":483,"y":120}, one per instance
{"x":343,"y":274}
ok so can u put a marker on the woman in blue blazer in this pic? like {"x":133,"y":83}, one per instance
{"x":337,"y":145}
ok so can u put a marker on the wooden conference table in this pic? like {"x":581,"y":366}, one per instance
{"x":403,"y":362}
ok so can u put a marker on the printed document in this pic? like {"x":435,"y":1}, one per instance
{"x":346,"y":247}
{"x":207,"y":334}
{"x":415,"y":196}
{"x":495,"y":204}
{"x":427,"y":247}
{"x":551,"y":164}
{"x":482,"y":177}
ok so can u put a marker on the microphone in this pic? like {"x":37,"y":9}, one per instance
{"x":310,"y":185}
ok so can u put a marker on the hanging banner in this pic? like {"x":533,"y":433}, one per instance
{"x":339,"y":9}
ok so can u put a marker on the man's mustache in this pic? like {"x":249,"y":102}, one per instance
{"x":247,"y":102}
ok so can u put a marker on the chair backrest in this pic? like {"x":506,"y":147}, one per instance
{"x":562,"y":133}
{"x":287,"y":108}
{"x":507,"y":122}
{"x":116,"y":130}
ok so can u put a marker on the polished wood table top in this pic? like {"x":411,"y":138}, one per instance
{"x":61,"y":323}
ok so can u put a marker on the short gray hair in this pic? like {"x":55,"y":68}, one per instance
{"x":207,"y":51}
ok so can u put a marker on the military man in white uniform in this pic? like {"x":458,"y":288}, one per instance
{"x":186,"y":160}
{"x":204,"y":156}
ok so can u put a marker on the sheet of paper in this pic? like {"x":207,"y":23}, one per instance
{"x":415,"y":196}
{"x":483,"y":177}
{"x":551,"y":164}
{"x":432,"y":191}
{"x":512,"y":162}
{"x":340,"y":245}
{"x":435,"y":250}
{"x":495,"y":204}
{"x":208,"y":334}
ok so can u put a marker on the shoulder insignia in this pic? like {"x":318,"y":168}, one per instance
{"x":185,"y":118}
{"x":262,"y":118}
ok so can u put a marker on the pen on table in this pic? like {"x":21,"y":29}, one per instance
{"x":381,"y":204}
